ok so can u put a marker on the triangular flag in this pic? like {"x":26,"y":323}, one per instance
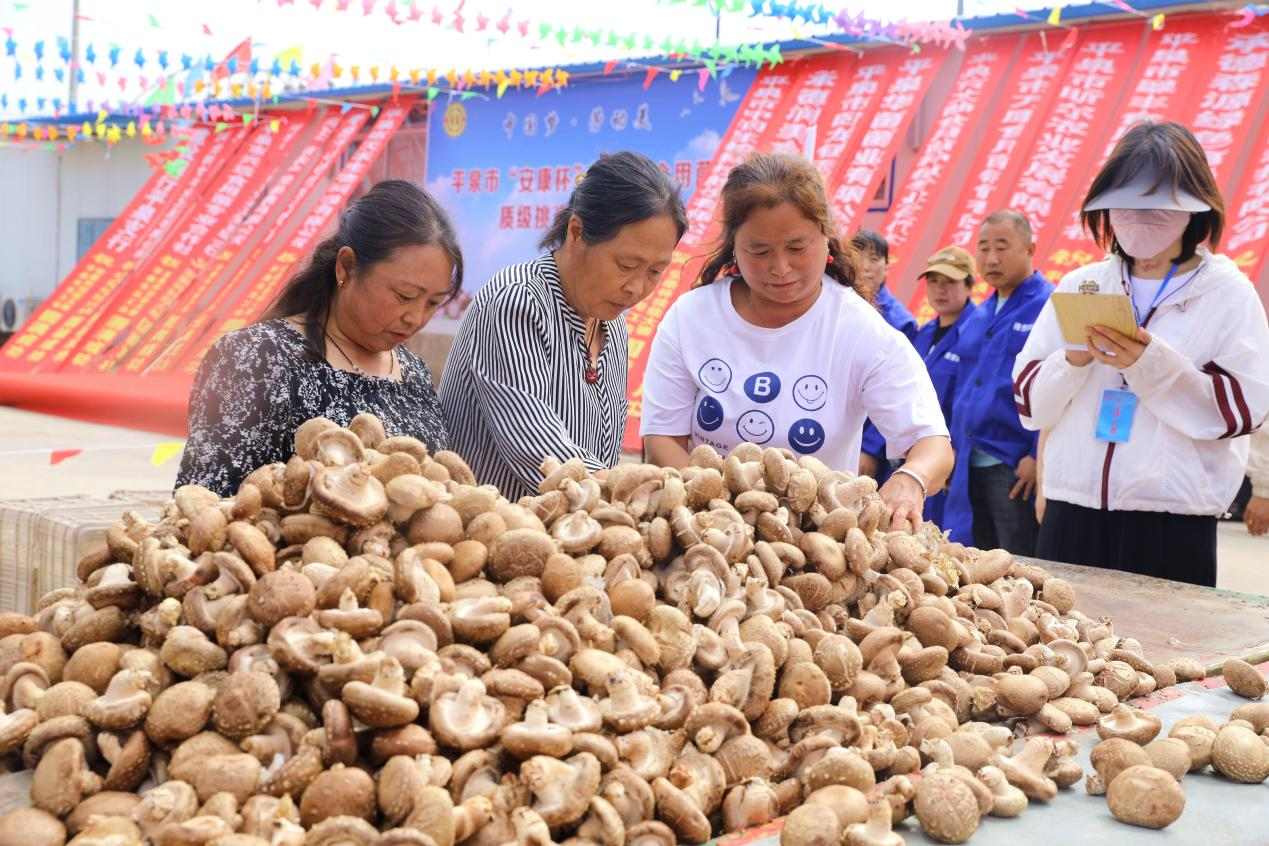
{"x":1055,"y":17}
{"x":649,"y":76}
{"x":163,"y":453}
{"x":57,"y":456}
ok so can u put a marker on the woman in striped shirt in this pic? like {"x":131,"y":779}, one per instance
{"x":539,"y":365}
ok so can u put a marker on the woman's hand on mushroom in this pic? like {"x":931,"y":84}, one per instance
{"x":904,"y":499}
{"x":1115,"y":348}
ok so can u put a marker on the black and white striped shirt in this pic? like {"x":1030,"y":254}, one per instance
{"x":514,"y":388}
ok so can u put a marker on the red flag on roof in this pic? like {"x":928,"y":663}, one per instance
{"x":242,"y":53}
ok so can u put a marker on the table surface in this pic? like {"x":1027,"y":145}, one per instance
{"x":1173,"y":619}
{"x":1216,"y":810}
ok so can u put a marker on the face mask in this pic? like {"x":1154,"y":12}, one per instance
{"x":1144,"y":233}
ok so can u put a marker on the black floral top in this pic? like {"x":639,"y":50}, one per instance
{"x":258,"y":384}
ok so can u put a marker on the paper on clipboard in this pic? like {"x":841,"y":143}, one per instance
{"x":1075,"y":311}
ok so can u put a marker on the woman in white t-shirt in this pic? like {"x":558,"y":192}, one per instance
{"x":775,"y":346}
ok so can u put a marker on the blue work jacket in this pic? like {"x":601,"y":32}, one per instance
{"x":898,"y":316}
{"x":985,"y":416}
{"x":941,"y":360}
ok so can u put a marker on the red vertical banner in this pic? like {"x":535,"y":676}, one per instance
{"x":857,"y":179}
{"x":1233,"y":98}
{"x":1019,"y":110}
{"x":1163,"y":82}
{"x":201,"y":314}
{"x":51,"y":324}
{"x":947,"y":142}
{"x":228,"y":205}
{"x":763,"y":110}
{"x":123,"y":276}
{"x":1247,"y":214}
{"x":202,"y":274}
{"x":126,"y":317}
{"x":266,"y":286}
{"x":243,"y":298}
{"x":820,"y":88}
{"x":848,"y":121}
{"x":1071,"y":137}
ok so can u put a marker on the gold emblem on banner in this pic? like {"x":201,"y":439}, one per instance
{"x":1089,"y":286}
{"x":455,"y":119}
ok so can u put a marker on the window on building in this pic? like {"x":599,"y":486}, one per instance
{"x":88,"y":230}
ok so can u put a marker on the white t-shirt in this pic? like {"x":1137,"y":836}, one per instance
{"x":807,"y":386}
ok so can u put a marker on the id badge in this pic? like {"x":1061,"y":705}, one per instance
{"x":1114,"y":419}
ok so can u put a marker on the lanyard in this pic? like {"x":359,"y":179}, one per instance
{"x":1157,"y":294}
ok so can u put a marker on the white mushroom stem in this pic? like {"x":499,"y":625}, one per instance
{"x":1008,"y":801}
{"x":877,"y":830}
{"x":346,"y":650}
{"x":623,"y":692}
{"x":535,"y":715}
{"x":530,"y":828}
{"x":170,"y":611}
{"x":125,"y":685}
{"x":550,"y":779}
{"x":348,"y":601}
{"x":389,"y":677}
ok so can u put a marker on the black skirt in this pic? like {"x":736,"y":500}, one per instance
{"x":1180,"y":547}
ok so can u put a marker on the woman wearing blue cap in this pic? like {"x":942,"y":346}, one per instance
{"x":1149,"y":430}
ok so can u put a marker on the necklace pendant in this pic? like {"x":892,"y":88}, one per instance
{"x":592,"y":376}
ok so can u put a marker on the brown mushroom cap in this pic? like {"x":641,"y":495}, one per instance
{"x":946,"y":807}
{"x":179,"y":712}
{"x":31,"y":827}
{"x":1244,"y":679}
{"x":244,"y":704}
{"x":1111,"y":757}
{"x":1239,"y":754}
{"x":342,"y":791}
{"x":383,"y":702}
{"x":1145,"y":796}
{"x":519,"y":552}
{"x":811,"y":825}
{"x":62,"y":778}
{"x":280,"y":594}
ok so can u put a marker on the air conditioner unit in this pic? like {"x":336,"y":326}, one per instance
{"x":15,"y":310}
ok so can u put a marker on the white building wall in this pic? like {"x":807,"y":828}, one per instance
{"x":45,"y":194}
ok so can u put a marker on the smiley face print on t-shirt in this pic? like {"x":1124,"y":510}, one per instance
{"x":810,"y":392}
{"x":715,"y":375}
{"x":755,"y":427}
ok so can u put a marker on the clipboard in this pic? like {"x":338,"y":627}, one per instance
{"x":1075,"y":311}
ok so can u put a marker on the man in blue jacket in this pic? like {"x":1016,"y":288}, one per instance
{"x":991,"y":503}
{"x":874,"y":254}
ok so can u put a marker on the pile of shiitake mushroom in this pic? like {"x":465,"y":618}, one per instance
{"x":364,"y":646}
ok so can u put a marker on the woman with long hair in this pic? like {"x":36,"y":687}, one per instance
{"x":331,"y":343}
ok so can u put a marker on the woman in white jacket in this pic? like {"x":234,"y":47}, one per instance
{"x":1148,"y":435}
